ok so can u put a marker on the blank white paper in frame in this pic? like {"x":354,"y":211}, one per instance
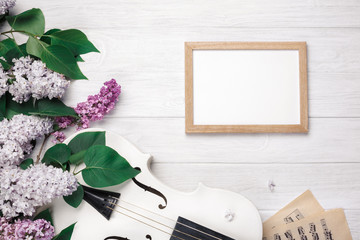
{"x":246,"y":87}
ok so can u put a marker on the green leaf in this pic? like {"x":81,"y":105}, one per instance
{"x":66,"y":233}
{"x":57,"y":155}
{"x":105,"y":167}
{"x":6,"y":45}
{"x":79,"y":59}
{"x":26,"y":163}
{"x":16,"y":52}
{"x":47,"y":39}
{"x":45,"y":215}
{"x":61,"y":60}
{"x":35,"y":47}
{"x":14,"y":108}
{"x":31,"y":21}
{"x":2,"y":107}
{"x":53,"y":108}
{"x":5,"y":65}
{"x":77,"y":158}
{"x":73,"y":39}
{"x":82,"y":142}
{"x":85,"y":140}
{"x":76,"y":197}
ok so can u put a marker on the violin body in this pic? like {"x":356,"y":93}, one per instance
{"x":158,"y":207}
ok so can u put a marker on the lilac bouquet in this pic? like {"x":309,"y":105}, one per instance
{"x":34,"y":76}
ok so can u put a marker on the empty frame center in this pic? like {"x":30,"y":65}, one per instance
{"x":246,"y":87}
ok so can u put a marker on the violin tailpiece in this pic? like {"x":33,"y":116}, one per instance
{"x":103,"y":201}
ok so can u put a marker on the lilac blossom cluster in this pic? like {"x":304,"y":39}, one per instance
{"x":98,"y":105}
{"x":5,"y":5}
{"x":92,"y":110}
{"x":39,"y":229}
{"x":3,"y":81}
{"x":22,"y":191}
{"x":64,"y":122}
{"x":59,"y":137}
{"x":16,"y":136}
{"x":33,"y":79}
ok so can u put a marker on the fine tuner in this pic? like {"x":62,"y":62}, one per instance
{"x":145,"y":208}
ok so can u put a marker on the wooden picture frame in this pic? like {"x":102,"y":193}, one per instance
{"x":300,"y":125}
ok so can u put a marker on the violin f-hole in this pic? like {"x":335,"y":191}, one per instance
{"x":148,"y":236}
{"x":151,"y":190}
{"x":116,"y":238}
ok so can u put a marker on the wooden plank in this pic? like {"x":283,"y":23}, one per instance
{"x":329,"y":140}
{"x":162,"y":49}
{"x":161,"y":94}
{"x":334,"y":185}
{"x":352,"y":217}
{"x":201,"y":13}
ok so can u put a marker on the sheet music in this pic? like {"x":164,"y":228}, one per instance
{"x":303,"y":206}
{"x":328,"y":225}
{"x":305,"y":219}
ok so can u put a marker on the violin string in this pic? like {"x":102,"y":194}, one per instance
{"x":146,"y":210}
{"x":165,"y":218}
{"x":159,"y":229}
{"x":157,"y":222}
{"x":183,"y":224}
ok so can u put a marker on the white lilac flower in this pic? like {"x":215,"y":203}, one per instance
{"x":3,"y":81}
{"x":5,"y":5}
{"x":11,"y":153}
{"x":33,"y":79}
{"x":22,"y":191}
{"x":16,"y":135}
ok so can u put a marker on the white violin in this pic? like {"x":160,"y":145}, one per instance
{"x":159,"y":212}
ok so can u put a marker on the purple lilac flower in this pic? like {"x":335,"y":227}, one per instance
{"x":16,"y":136}
{"x":59,"y":137}
{"x":98,"y":105}
{"x":22,"y":191}
{"x":5,"y":5}
{"x":64,"y":122}
{"x":39,"y":229}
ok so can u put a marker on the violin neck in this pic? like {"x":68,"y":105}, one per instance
{"x":188,"y":230}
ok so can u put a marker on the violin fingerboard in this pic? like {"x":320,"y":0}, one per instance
{"x":188,"y":230}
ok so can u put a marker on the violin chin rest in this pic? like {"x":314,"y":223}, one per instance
{"x":103,"y":201}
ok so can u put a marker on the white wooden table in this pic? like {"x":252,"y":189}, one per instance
{"x":142,"y":46}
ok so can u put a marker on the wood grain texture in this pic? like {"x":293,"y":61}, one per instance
{"x":327,"y":181}
{"x":161,"y":49}
{"x":200,"y":13}
{"x":166,"y":140}
{"x":142,"y":46}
